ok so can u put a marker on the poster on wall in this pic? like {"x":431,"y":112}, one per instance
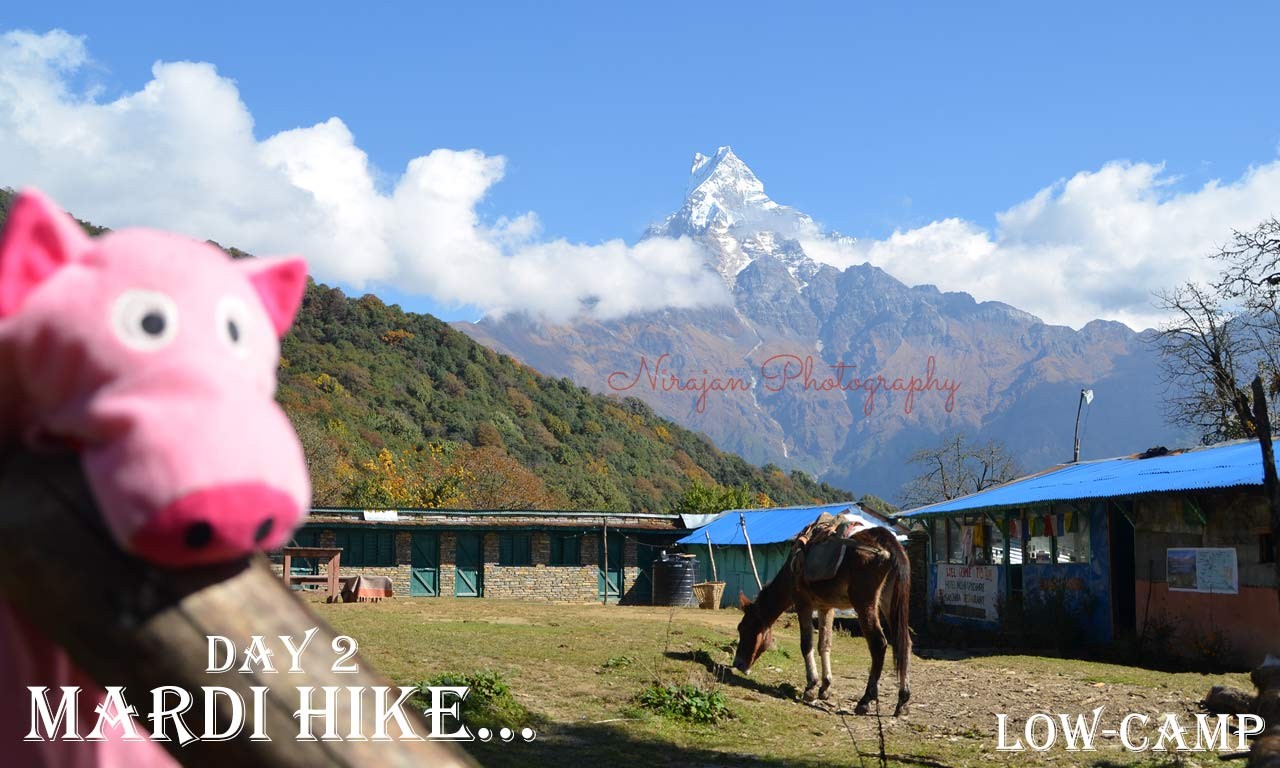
{"x":1203,"y":569}
{"x":968,"y":591}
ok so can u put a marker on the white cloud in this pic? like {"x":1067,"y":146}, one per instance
{"x":1095,"y":245}
{"x":181,"y":154}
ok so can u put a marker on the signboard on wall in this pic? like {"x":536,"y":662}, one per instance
{"x":968,"y":591}
{"x":381,"y":515}
{"x":1203,"y":569}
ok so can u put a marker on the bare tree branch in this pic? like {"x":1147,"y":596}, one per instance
{"x":956,"y":468}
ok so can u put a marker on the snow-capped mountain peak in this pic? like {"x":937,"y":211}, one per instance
{"x":726,"y":208}
{"x":723,"y":183}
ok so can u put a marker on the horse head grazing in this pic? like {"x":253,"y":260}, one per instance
{"x":154,"y":357}
{"x":755,"y":635}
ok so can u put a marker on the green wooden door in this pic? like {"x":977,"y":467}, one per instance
{"x":468,"y":578}
{"x":642,"y":590}
{"x":610,"y":583}
{"x":424,"y":565}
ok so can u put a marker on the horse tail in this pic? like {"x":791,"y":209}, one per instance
{"x":899,"y":599}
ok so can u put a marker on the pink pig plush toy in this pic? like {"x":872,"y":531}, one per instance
{"x":154,"y":357}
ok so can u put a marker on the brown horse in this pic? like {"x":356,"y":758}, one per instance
{"x":873,"y":559}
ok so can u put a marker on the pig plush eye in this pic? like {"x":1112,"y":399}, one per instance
{"x":144,"y":319}
{"x":232,"y":323}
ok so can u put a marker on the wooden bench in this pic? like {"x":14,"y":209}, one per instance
{"x":333,"y":559}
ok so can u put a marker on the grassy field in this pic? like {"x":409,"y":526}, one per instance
{"x":575,"y":671}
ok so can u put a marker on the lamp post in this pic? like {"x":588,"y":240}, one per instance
{"x":1086,"y":397}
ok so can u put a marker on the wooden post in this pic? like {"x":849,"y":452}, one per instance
{"x":333,"y":569}
{"x":1265,"y":752}
{"x":604,"y":549}
{"x":1270,"y":483}
{"x":126,"y":622}
{"x":712,"y":556}
{"x":750,"y":555}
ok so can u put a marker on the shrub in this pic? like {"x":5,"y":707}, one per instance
{"x":618,"y":662}
{"x":685,"y":702}
{"x":489,"y":703}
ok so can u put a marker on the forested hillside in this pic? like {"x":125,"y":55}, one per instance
{"x":472,"y":427}
{"x":399,"y":409}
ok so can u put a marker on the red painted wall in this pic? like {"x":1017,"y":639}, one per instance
{"x":1249,"y":621}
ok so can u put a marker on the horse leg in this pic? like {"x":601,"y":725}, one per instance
{"x":824,"y":650}
{"x":805,"y":613}
{"x":869,"y":619}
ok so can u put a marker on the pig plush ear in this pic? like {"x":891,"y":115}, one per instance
{"x":38,"y":240}
{"x":280,"y":283}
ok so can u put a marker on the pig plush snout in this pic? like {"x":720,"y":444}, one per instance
{"x":217,"y":524}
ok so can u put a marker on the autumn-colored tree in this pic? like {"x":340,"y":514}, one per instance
{"x":488,"y":435}
{"x":330,"y":470}
{"x":428,"y":480}
{"x":396,"y":336}
{"x":494,"y":480}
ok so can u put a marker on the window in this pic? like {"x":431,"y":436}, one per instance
{"x":565,"y":549}
{"x":1016,"y":525}
{"x":995,"y":544}
{"x":515,"y":549}
{"x":955,"y":541}
{"x":938,"y":534}
{"x":363,"y":549}
{"x":949,"y":537}
{"x":1073,"y":543}
{"x":1266,"y":548}
{"x":1039,"y":537}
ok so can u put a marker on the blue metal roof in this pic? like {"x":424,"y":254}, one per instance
{"x":769,"y":526}
{"x":1220,"y":466}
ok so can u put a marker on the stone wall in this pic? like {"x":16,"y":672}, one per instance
{"x":542,"y":581}
{"x":398,"y":573}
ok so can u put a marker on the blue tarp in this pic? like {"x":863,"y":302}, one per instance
{"x":1219,"y":466}
{"x":768,"y":526}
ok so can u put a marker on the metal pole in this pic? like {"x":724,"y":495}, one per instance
{"x":711,"y":555}
{"x":750,"y":555}
{"x":1075,"y":456}
{"x":604,"y":547}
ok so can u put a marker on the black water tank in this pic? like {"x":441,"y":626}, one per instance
{"x":673,"y":578}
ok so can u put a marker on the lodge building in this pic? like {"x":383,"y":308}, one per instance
{"x":526,"y":554}
{"x":1163,"y":546}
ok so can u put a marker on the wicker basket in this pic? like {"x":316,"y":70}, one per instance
{"x":709,"y":593}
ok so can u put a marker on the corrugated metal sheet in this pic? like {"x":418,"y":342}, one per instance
{"x":733,"y":567}
{"x":1220,"y":466}
{"x":689,"y":522}
{"x":768,"y":526}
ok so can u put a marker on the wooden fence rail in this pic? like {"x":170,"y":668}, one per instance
{"x":128,"y":623}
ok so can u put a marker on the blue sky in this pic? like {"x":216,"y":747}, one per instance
{"x":870,"y":117}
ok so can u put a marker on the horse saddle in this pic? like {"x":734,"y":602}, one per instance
{"x":824,"y":543}
{"x":822,"y":560}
